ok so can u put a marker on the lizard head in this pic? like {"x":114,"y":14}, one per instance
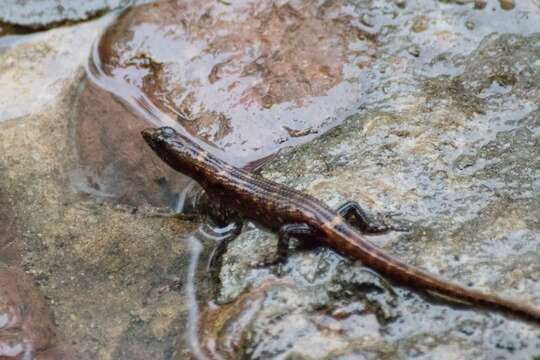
{"x":158,"y":138}
{"x":177,"y":150}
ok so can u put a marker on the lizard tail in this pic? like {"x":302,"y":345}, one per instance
{"x":354,"y":244}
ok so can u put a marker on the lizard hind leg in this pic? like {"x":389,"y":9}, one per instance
{"x":284,"y":235}
{"x":353,"y":213}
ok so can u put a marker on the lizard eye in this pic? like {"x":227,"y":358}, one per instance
{"x":168,"y":132}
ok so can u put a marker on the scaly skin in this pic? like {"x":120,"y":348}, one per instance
{"x":276,"y":207}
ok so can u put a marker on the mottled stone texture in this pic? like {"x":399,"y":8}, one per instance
{"x":445,"y":140}
{"x":454,"y":155}
{"x":11,"y":245}
{"x":111,"y":276}
{"x":248,"y":79}
{"x":25,"y":324}
{"x":39,"y":14}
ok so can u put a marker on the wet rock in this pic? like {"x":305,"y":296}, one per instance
{"x":267,"y":327}
{"x":507,"y":4}
{"x":460,"y":166}
{"x":400,"y":3}
{"x":37,"y":67}
{"x":461,"y":169}
{"x":25,"y":324}
{"x":480,"y":4}
{"x":136,"y":268}
{"x":112,"y":275}
{"x":511,"y":67}
{"x":38,"y":14}
{"x":113,"y":278}
{"x":249,"y":85}
{"x":469,"y":25}
{"x":420,"y":23}
{"x":276,"y":75}
{"x":311,"y":307}
{"x":114,"y":161}
{"x":366,"y":20}
{"x":414,"y":50}
{"x":9,"y":29}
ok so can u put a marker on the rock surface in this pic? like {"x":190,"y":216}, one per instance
{"x":11,"y":244}
{"x":112,"y":159}
{"x":449,"y":145}
{"x":246,"y":85}
{"x":112,"y":275}
{"x":446,"y":141}
{"x":25,"y":326}
{"x":39,"y":14}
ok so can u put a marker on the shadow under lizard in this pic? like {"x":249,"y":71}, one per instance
{"x":291,"y":213}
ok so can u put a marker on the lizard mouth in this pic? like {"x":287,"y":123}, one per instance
{"x":150,"y":136}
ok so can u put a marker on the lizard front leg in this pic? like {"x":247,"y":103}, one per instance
{"x":284,"y":235}
{"x":221,"y":247}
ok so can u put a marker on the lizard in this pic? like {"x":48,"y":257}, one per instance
{"x":292,"y":213}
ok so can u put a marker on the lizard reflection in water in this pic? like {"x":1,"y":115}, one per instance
{"x":291,"y":213}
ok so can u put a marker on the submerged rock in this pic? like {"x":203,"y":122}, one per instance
{"x":247,"y":78}
{"x":113,"y":160}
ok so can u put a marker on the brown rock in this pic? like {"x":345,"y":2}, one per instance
{"x":248,"y":78}
{"x":114,"y":160}
{"x":25,"y":325}
{"x":507,"y":4}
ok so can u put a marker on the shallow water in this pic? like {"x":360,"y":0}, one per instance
{"x":248,"y":84}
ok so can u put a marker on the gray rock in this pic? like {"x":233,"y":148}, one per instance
{"x":459,"y":162}
{"x":39,"y":14}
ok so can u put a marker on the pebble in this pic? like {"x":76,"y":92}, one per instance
{"x":507,"y":4}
